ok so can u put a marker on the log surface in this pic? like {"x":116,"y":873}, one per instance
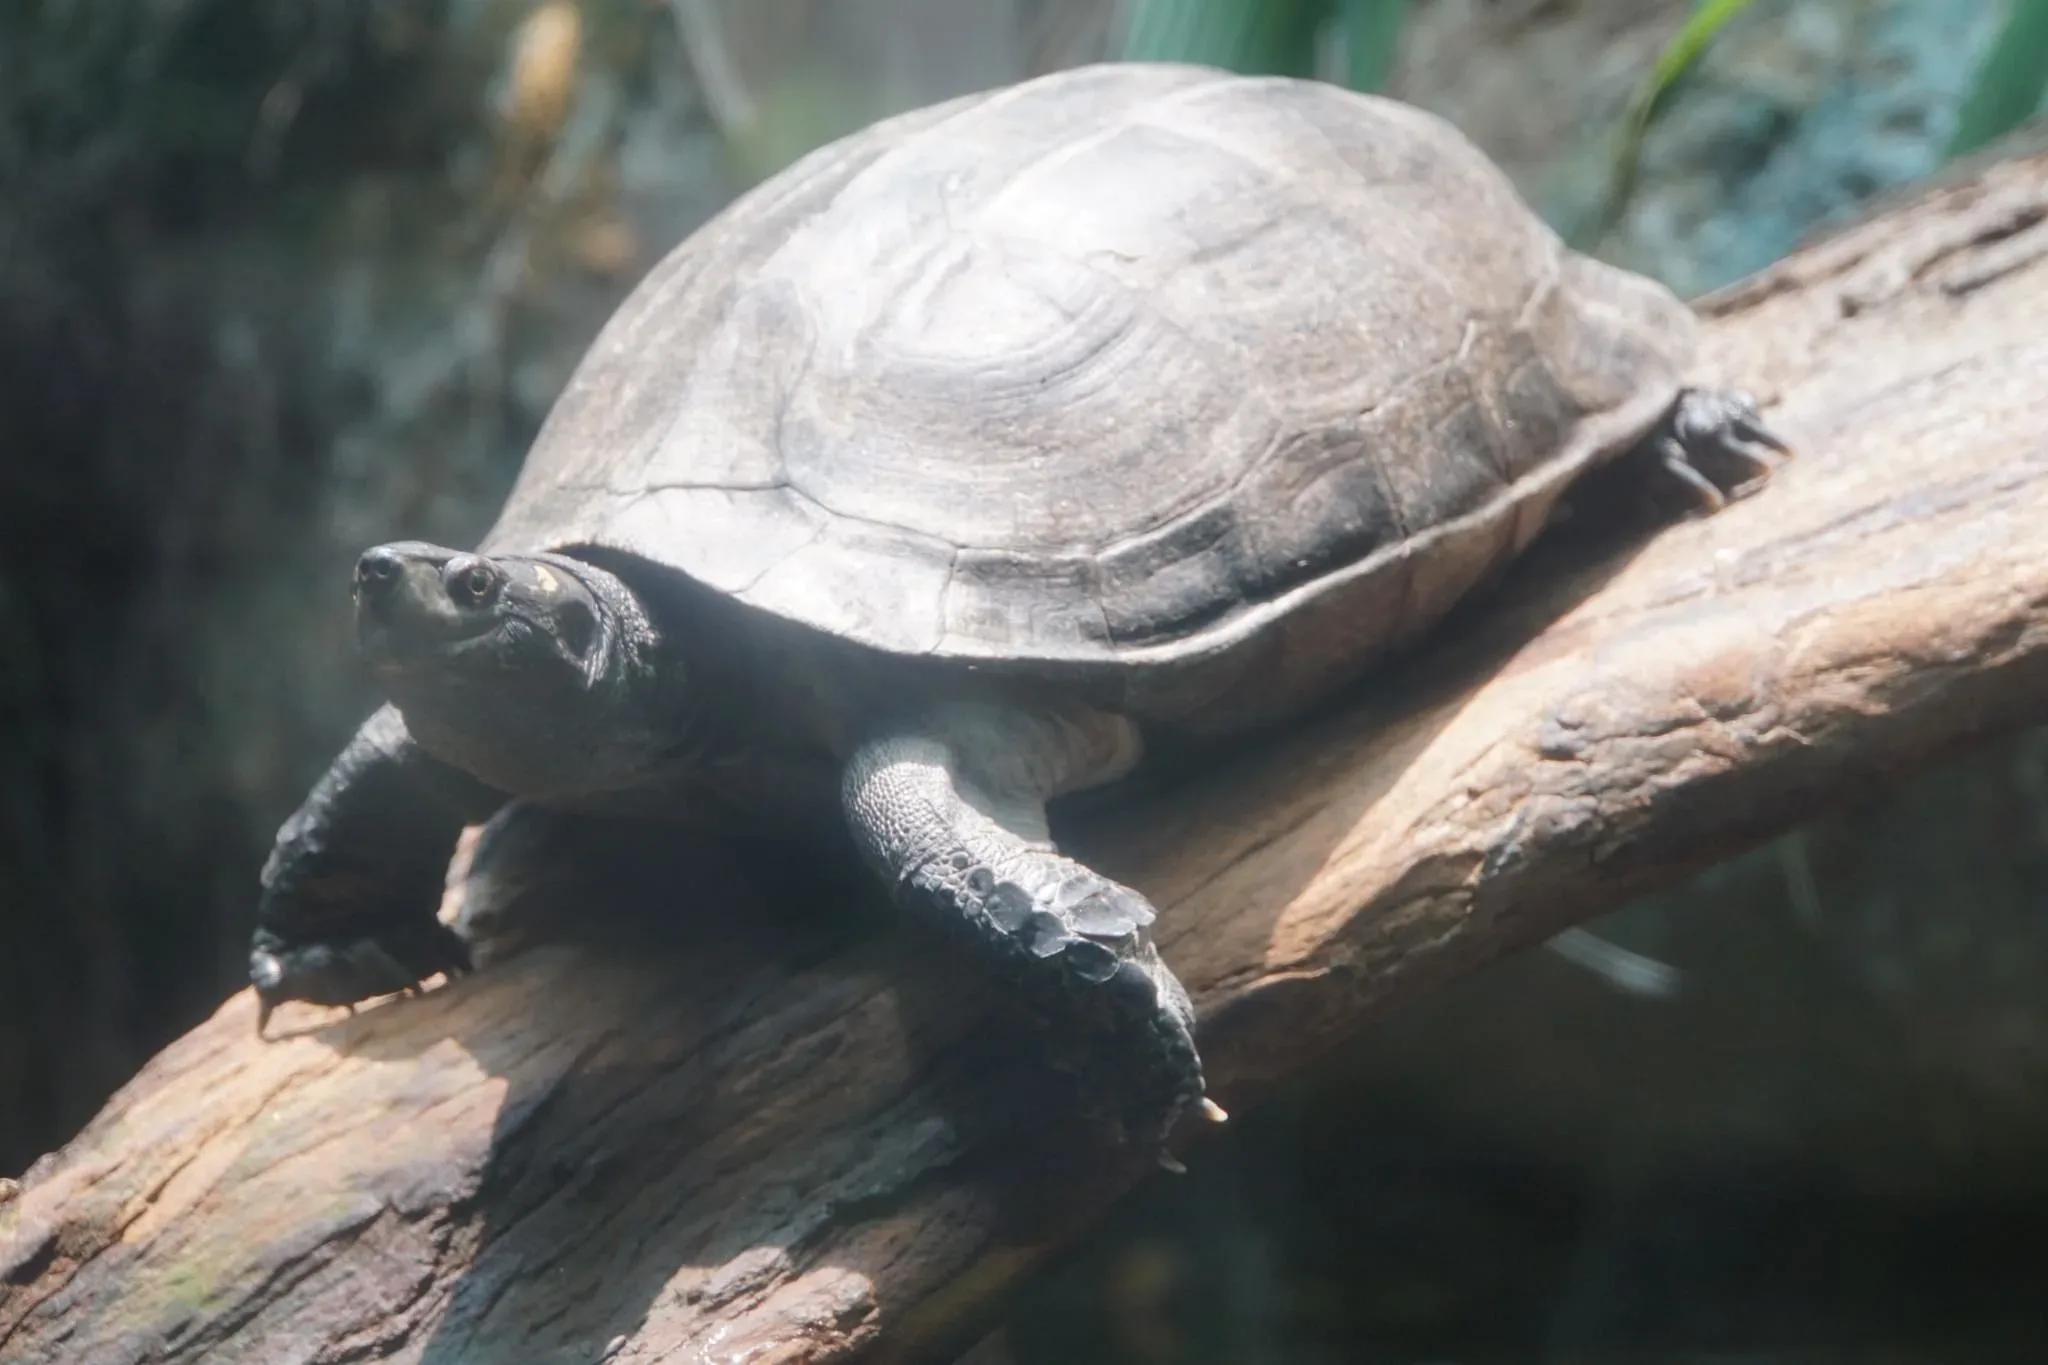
{"x":711,"y":1130}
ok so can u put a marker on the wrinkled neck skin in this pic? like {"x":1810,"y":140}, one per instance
{"x":532,"y":724}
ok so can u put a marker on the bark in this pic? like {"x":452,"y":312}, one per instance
{"x":694,"y":1110}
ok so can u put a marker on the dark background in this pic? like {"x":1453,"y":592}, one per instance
{"x":281,"y":280}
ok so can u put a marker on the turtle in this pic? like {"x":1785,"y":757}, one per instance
{"x":946,"y":471}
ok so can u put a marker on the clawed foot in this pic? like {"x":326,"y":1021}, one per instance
{"x":342,"y":973}
{"x":1718,"y":423}
{"x":1120,"y":1020}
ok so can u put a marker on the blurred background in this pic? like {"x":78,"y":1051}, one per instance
{"x":283,"y":278}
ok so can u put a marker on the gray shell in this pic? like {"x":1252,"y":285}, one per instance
{"x":1126,"y":365}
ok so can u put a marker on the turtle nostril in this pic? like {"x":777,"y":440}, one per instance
{"x":378,"y":570}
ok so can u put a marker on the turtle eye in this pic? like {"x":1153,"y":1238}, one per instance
{"x":473,"y":586}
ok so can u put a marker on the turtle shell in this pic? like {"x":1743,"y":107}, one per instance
{"x":1120,"y":364}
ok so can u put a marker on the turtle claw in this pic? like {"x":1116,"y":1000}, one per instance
{"x":348,"y":973}
{"x":1076,"y":943}
{"x":1142,"y":1072}
{"x":1679,"y":462}
{"x":1721,"y":423}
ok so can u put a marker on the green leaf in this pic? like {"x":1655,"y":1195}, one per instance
{"x":1372,"y":37}
{"x":1707,"y":20}
{"x":1256,"y":37}
{"x":2010,"y":80}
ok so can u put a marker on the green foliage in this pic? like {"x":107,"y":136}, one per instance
{"x":1280,"y":37}
{"x":801,"y":109}
{"x":175,"y":106}
{"x":2009,"y":83}
{"x":1706,"y":21}
{"x":1257,"y":37}
{"x":1372,"y":37}
{"x":1268,"y":37}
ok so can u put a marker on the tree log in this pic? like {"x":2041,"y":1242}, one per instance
{"x":695,"y":1111}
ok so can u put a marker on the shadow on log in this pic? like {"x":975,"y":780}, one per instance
{"x":706,"y":1114}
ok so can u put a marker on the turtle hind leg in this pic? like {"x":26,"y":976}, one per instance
{"x":950,"y":811}
{"x":1719,"y":428}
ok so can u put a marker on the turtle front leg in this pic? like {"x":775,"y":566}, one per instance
{"x":950,"y":811}
{"x":352,"y":885}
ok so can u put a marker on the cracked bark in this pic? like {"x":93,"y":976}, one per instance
{"x":766,"y":1131}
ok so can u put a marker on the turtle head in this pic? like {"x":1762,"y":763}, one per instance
{"x":421,"y":606}
{"x":540,"y":674}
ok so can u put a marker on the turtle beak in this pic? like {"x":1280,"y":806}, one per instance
{"x":403,"y":603}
